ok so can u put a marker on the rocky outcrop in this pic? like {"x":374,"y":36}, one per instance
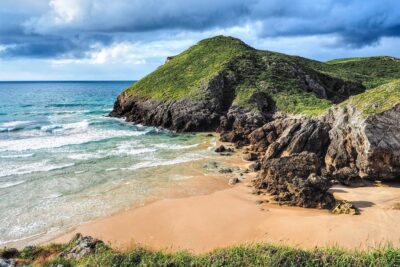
{"x":182,"y":115}
{"x":363,"y":146}
{"x":290,"y":135}
{"x":81,"y":246}
{"x":296,"y":180}
{"x":247,"y":95}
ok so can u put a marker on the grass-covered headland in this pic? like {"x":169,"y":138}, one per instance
{"x":250,"y":255}
{"x":294,"y":83}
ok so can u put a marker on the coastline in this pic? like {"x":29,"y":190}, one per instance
{"x":232,"y":215}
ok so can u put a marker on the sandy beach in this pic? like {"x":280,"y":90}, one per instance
{"x":232,"y":215}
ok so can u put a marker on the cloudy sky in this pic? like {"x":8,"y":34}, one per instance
{"x":126,"y":39}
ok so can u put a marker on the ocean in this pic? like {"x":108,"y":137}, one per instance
{"x":64,"y":162}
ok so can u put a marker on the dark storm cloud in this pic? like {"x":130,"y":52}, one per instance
{"x":59,"y":27}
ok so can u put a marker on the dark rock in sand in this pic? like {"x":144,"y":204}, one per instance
{"x":250,"y":156}
{"x":233,"y":181}
{"x":296,"y":180}
{"x":225,"y":170}
{"x":220,"y":149}
{"x":256,"y":166}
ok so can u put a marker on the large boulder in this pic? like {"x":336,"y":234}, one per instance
{"x":296,"y":180}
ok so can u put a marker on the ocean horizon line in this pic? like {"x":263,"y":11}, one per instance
{"x":63,"y":81}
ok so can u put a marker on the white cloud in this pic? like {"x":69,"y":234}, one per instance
{"x":66,"y":11}
{"x":135,"y":53}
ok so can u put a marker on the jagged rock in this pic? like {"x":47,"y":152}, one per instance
{"x":345,"y":207}
{"x":295,"y":180}
{"x":80,"y":246}
{"x":250,"y":156}
{"x":286,"y":136}
{"x":238,"y":123}
{"x":233,"y":181}
{"x":364,"y":146}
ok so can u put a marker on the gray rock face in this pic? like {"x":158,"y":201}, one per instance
{"x":364,"y":147}
{"x":286,"y":136}
{"x":296,"y":180}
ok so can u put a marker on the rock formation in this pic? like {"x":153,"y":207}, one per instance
{"x":298,"y":116}
{"x":364,"y":146}
{"x":296,"y":180}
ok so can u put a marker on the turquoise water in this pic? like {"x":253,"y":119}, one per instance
{"x":63,"y":162}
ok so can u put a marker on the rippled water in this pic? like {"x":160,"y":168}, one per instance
{"x":62,"y":161}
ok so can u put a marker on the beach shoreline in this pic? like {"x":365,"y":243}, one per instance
{"x":234,"y":215}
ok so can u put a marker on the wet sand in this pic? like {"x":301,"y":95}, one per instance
{"x":232,"y":216}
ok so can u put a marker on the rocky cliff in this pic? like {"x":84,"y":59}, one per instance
{"x":314,"y":116}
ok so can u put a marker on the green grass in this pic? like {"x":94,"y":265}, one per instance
{"x":377,"y":100}
{"x":270,"y":73}
{"x":371,"y":71}
{"x":249,"y":255}
{"x":183,"y":75}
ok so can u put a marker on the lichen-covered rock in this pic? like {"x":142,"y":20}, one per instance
{"x":296,"y":180}
{"x":364,"y":146}
{"x":80,"y":246}
{"x":345,"y":207}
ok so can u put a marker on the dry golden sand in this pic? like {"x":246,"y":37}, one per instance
{"x":231,"y":216}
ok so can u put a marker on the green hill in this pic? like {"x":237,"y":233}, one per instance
{"x":296,"y":85}
{"x":371,"y":71}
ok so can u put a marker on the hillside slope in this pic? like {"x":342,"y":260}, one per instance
{"x":223,"y":72}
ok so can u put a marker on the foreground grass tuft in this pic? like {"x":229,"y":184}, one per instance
{"x":246,"y":255}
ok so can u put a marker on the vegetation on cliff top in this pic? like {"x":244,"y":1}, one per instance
{"x":277,"y":75}
{"x":182,"y":75}
{"x":250,"y":255}
{"x":376,"y":100}
{"x":371,"y":71}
